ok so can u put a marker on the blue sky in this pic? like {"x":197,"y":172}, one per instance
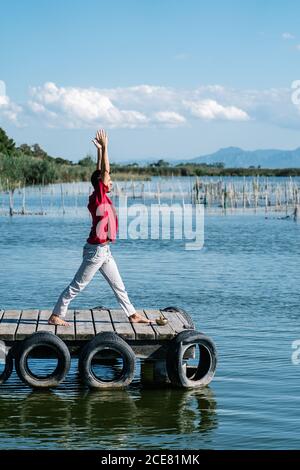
{"x":167,"y":79}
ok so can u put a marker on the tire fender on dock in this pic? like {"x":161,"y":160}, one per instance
{"x":185,"y":376}
{"x":106,"y":341}
{"x":42,"y":339}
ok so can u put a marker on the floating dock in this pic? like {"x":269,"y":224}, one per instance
{"x":26,"y":333}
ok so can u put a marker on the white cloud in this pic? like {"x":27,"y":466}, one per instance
{"x":137,"y":106}
{"x":9,"y":110}
{"x":147,"y":105}
{"x":287,"y":36}
{"x":170,"y":118}
{"x":210,"y":109}
{"x":142,"y":96}
{"x":81,"y":107}
{"x":298,"y":47}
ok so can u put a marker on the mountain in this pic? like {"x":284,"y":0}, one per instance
{"x":268,"y":158}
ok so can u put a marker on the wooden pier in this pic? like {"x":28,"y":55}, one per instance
{"x":16,"y":325}
{"x":22,"y":331}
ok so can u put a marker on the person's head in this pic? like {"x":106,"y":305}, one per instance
{"x":96,"y":176}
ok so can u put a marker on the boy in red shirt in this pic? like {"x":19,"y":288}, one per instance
{"x":96,"y":252}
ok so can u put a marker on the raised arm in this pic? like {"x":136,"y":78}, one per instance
{"x":99,"y":154}
{"x":102,"y":138}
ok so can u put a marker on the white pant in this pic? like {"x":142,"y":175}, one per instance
{"x":95,"y":258}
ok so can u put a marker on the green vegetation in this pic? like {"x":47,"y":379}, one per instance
{"x":29,"y":165}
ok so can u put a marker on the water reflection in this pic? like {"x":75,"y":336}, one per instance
{"x":108,"y":418}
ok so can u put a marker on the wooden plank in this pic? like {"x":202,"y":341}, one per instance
{"x":27,"y":324}
{"x":43,"y":324}
{"x":175,"y":322}
{"x":119,"y":316}
{"x":67,"y":332}
{"x":182,"y":319}
{"x":84,"y":325}
{"x":102,"y":321}
{"x":142,"y":330}
{"x":9,"y":324}
{"x":122,"y":324}
{"x":162,"y":332}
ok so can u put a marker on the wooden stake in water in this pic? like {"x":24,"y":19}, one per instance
{"x":62,"y":198}
{"x":11,"y":202}
{"x":41,"y":199}
{"x":23,"y":201}
{"x":158,"y":192}
{"x":143,"y":191}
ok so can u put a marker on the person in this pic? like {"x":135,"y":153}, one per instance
{"x":96,"y":251}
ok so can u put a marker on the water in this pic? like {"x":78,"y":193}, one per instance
{"x":242,"y":289}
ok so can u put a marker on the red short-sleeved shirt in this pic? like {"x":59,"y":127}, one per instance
{"x":105,"y":221}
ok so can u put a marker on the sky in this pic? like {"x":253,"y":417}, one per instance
{"x":166,"y":79}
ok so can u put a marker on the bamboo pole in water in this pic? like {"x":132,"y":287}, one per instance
{"x":286,"y":199}
{"x":190,"y":190}
{"x":143,"y":191}
{"x":41,"y":198}
{"x":158,"y":192}
{"x":62,"y":198}
{"x":11,"y":202}
{"x":23,"y":210}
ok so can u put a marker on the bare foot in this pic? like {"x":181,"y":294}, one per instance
{"x":137,"y":318}
{"x":56,"y":320}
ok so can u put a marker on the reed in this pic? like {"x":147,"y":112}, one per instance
{"x":225,"y":195}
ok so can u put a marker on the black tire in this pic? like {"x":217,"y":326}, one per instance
{"x":186,"y":316}
{"x":8,"y":367}
{"x":47,"y":340}
{"x":107,"y":340}
{"x":191,"y":377}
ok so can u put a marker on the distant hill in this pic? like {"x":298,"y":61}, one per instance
{"x":237,"y":157}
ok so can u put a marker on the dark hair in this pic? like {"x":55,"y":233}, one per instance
{"x":96,"y":176}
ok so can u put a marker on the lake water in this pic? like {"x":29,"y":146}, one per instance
{"x":242,"y":289}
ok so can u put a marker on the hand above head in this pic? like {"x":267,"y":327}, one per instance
{"x":102,"y":137}
{"x":97,"y":144}
{"x":101,"y":142}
